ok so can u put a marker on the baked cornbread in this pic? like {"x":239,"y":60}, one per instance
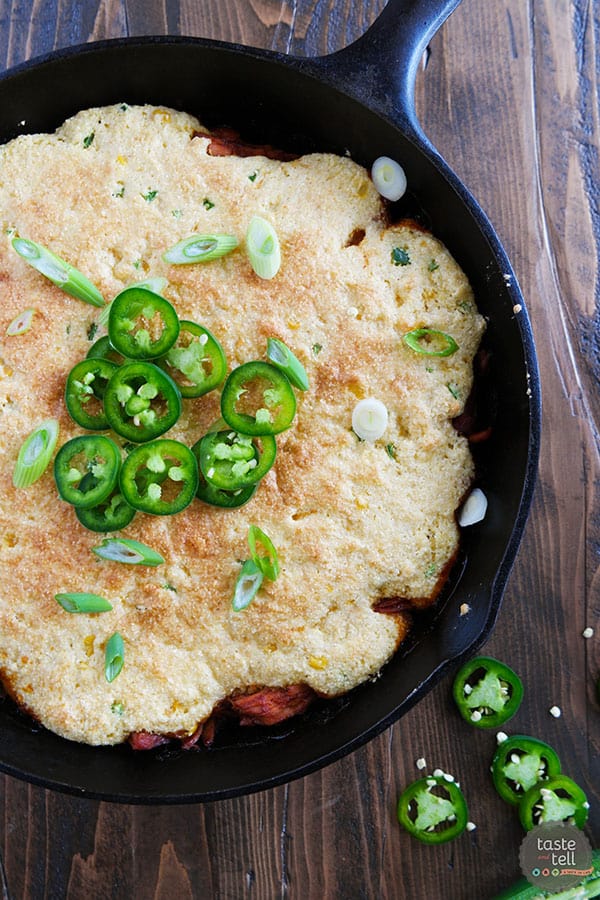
{"x":353,"y":521}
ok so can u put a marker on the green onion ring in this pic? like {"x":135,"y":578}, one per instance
{"x":269,"y":564}
{"x":83,"y":603}
{"x":281,"y":356}
{"x":59,"y":272}
{"x":114,"y":656}
{"x":35,"y":454}
{"x":262,"y":245}
{"x":247,"y":585}
{"x":125,"y":550}
{"x":413,"y":340}
{"x":21,"y":323}
{"x":200,"y":248}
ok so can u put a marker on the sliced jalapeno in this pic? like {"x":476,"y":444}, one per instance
{"x":141,"y":401}
{"x":112,"y":514}
{"x":558,"y":799}
{"x":86,"y":470}
{"x":142,"y":324}
{"x":84,"y":392}
{"x":215,"y":496}
{"x":196,"y":361}
{"x":160,"y":477}
{"x":487,"y":692}
{"x":258,"y":399}
{"x":103,"y":349}
{"x":433,"y":810}
{"x":519,"y":763}
{"x":230,"y":460}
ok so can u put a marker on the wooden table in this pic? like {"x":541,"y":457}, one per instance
{"x":510,"y":96}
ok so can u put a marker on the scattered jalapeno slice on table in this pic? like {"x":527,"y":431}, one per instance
{"x":558,"y":799}
{"x":258,"y":399}
{"x":433,"y":810}
{"x":84,"y":392}
{"x":230,"y":460}
{"x":86,"y":470}
{"x":487,"y":692}
{"x":141,"y":401}
{"x":519,"y":763}
{"x":196,"y":361}
{"x":112,"y":514}
{"x":142,"y":324}
{"x":160,"y":477}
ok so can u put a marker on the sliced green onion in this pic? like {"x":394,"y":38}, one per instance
{"x":443,"y":344}
{"x":282,"y":357}
{"x":263,"y":248}
{"x":35,"y":454}
{"x":156,"y":285}
{"x":127,"y":551}
{"x":83,"y":603}
{"x":114,"y":656}
{"x":473,"y":509}
{"x":246,"y":587}
{"x":103,"y":315}
{"x":21,"y":323}
{"x":389,"y":178}
{"x":369,"y":419}
{"x":59,"y":272}
{"x":200,"y":248}
{"x":269,"y":564}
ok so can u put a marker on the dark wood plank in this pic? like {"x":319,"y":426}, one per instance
{"x":510,"y":97}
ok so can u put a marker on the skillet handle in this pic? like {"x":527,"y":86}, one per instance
{"x":379,"y":69}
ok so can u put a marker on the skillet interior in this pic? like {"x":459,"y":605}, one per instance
{"x":271,"y":99}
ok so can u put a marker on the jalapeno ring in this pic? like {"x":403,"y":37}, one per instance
{"x":433,"y":810}
{"x":230,"y":460}
{"x":196,"y":361}
{"x":487,"y":692}
{"x":142,"y":324}
{"x":160,"y":477}
{"x":84,"y":392}
{"x":86,"y":470}
{"x":141,"y":401}
{"x":258,"y":399}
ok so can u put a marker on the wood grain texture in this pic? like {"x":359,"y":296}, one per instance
{"x":510,"y":96}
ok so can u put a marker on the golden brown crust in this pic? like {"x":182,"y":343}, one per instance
{"x":353,"y":522}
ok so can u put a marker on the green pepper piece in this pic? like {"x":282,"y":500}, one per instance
{"x":196,"y":361}
{"x":142,"y":324}
{"x":258,"y":399}
{"x":215,"y":496}
{"x":487,"y":692}
{"x":112,"y":514}
{"x":103,"y":349}
{"x":519,"y":763}
{"x":84,"y":392}
{"x":86,"y":470}
{"x":433,"y":810}
{"x":557,"y":799}
{"x":230,"y":460}
{"x":160,"y":477}
{"x":141,"y":402}
{"x":587,"y":888}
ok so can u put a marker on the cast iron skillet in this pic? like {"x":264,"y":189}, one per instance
{"x":358,"y":100}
